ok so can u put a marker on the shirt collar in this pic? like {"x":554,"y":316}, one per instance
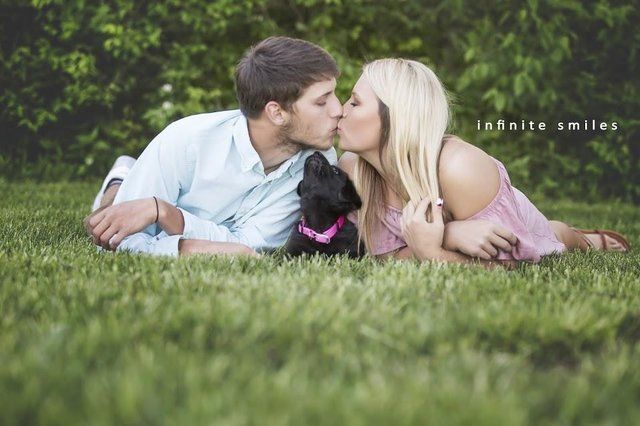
{"x":241,"y":138}
{"x":250,"y":158}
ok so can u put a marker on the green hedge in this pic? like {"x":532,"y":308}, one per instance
{"x":81,"y":82}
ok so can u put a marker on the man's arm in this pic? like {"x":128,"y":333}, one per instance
{"x":191,"y":247}
{"x":160,"y":171}
{"x":269,"y":227}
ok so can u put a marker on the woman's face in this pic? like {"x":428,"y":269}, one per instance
{"x":359,"y":128}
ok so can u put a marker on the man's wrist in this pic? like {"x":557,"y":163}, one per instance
{"x":151,"y":211}
{"x":183,"y":246}
{"x":162,"y":211}
{"x":170,"y":218}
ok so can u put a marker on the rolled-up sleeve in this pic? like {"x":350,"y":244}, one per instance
{"x":160,"y":171}
{"x":168,"y":165}
{"x":198,"y":228}
{"x":160,"y":245}
{"x":267,"y":228}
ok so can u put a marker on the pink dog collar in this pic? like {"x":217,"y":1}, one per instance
{"x":326,"y":235}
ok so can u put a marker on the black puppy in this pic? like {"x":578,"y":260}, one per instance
{"x":327,"y":195}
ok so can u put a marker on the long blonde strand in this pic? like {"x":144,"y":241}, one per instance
{"x":418,"y":119}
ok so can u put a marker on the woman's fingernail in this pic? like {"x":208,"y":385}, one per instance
{"x":439,"y":202}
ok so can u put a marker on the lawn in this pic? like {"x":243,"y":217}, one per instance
{"x":117,"y":338}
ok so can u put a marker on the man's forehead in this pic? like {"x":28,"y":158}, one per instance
{"x":320,"y":88}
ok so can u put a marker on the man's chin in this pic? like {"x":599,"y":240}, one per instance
{"x":320,"y":146}
{"x":327,"y":145}
{"x":330,"y":142}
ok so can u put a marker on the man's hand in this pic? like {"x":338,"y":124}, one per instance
{"x":478,"y":238}
{"x":109,"y":226}
{"x":188,"y":247}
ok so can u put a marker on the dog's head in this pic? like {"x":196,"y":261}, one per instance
{"x":326,"y":188}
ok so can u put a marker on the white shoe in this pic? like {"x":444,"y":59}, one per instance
{"x":119,"y":170}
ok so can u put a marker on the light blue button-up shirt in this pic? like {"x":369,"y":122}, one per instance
{"x":206,"y":166}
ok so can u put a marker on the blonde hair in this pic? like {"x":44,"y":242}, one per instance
{"x":414,"y":111}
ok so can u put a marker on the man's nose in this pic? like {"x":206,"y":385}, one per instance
{"x":336,"y":111}
{"x":344,"y":109}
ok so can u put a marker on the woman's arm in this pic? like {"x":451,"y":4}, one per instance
{"x":475,"y":238}
{"x":478,"y":238}
{"x":406,"y":253}
{"x":469,"y":179}
{"x":425,"y":238}
{"x":456,"y":257}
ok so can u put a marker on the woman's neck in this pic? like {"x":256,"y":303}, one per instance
{"x":373,"y":158}
{"x":392,"y":197}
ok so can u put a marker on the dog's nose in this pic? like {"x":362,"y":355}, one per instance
{"x":315,"y":158}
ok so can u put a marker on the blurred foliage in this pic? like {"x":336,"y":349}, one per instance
{"x":83,"y":81}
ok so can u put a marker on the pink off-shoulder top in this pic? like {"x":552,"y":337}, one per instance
{"x":509,"y":208}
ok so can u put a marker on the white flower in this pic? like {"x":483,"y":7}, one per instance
{"x":167,"y":88}
{"x":167,"y":105}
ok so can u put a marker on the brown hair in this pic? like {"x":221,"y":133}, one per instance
{"x":279,"y":69}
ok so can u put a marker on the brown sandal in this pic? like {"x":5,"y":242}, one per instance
{"x":603,"y":232}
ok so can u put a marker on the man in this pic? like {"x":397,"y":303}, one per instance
{"x":225,"y":182}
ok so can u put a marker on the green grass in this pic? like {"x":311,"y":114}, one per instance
{"x":118,"y":338}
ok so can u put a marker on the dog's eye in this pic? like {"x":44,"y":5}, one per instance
{"x":335,"y":170}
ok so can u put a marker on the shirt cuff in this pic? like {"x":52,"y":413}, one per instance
{"x":167,"y":246}
{"x":190,"y":225}
{"x":159,"y":245}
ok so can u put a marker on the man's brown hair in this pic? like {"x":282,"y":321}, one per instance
{"x":280,"y":69}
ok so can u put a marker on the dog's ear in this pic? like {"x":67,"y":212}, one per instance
{"x":298,"y":189}
{"x":350,"y":195}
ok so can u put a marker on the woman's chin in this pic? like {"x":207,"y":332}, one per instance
{"x":342,"y":144}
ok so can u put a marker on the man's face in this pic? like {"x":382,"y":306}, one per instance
{"x":314,"y":117}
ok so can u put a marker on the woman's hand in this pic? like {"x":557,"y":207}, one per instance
{"x":119,"y":221}
{"x":478,"y":238}
{"x":424,"y":238}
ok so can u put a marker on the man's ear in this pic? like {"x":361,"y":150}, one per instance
{"x":275,"y":113}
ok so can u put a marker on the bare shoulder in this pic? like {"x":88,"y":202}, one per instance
{"x":347,"y":162}
{"x":456,"y":152}
{"x":468,"y":176}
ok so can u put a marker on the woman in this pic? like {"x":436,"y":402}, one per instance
{"x":401,"y":161}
